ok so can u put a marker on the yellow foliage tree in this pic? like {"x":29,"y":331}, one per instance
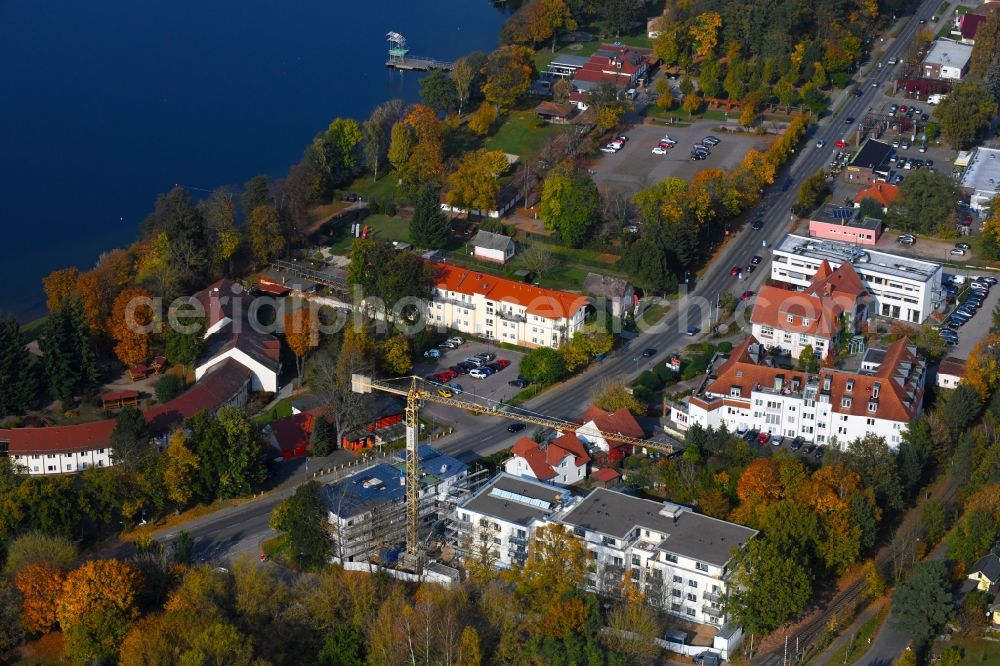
{"x":612,"y":395}
{"x":130,"y":325}
{"x":96,"y":607}
{"x":691,"y":102}
{"x":705,"y":32}
{"x":982,"y":371}
{"x":557,"y":564}
{"x":180,"y":469}
{"x":482,"y":120}
{"x":301,"y":333}
{"x":609,"y":116}
{"x":40,"y":585}
{"x":396,"y":357}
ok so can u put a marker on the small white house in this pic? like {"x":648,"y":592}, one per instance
{"x":562,"y":460}
{"x":950,"y":372}
{"x":489,"y":246}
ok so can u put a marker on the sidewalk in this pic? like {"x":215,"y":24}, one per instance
{"x":847,"y":635}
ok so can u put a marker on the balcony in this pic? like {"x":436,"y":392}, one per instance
{"x":510,"y":316}
{"x":455,"y":302}
{"x":521,"y":541}
{"x":714,"y":597}
{"x":711,"y":611}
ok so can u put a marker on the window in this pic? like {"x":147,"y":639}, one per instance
{"x":678,"y":579}
{"x":805,"y":321}
{"x":672,"y":558}
{"x":609,"y":541}
{"x":790,"y":319}
{"x":701,"y":566}
{"x":849,"y":386}
{"x":692,"y":583}
{"x":766,"y":330}
{"x":735,"y":391}
{"x":845,"y":402}
{"x":872,"y":406}
{"x":52,"y":468}
{"x":875,"y":389}
{"x":675,"y":593}
{"x":580,"y":532}
{"x":690,"y":611}
{"x":692,"y":597}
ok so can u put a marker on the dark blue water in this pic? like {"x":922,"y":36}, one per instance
{"x":105,"y":104}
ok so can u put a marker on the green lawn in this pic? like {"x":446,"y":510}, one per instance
{"x":383,"y":188}
{"x":282,"y":409}
{"x":523,"y":134}
{"x":975,"y":650}
{"x":681,"y":116}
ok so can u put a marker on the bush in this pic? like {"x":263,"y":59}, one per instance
{"x":665,"y":374}
{"x":168,"y":387}
{"x":390,"y":208}
{"x":375,"y":207}
{"x":724,"y":347}
{"x":543,"y":366}
{"x":643,"y":394}
{"x":649,"y":381}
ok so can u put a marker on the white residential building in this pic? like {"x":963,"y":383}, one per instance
{"x":502,"y":309}
{"x":902,"y":288}
{"x":562,"y":460}
{"x":677,"y":558}
{"x":748,"y":390}
{"x":501,"y":516}
{"x":950,"y":372}
{"x":833,"y":302}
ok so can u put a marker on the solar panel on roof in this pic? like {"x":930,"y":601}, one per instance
{"x":521,"y":499}
{"x":843,"y":213}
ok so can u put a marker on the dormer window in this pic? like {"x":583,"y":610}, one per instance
{"x":845,"y":403}
{"x":850,"y":385}
{"x":790,"y":319}
{"x":826,"y":383}
{"x":735,"y":391}
{"x":805,"y":321}
{"x":872,"y":406}
{"x":875,"y":389}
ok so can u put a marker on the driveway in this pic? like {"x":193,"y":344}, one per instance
{"x":635,"y":167}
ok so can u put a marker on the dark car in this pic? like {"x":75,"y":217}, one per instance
{"x":819,"y":451}
{"x":808,"y":449}
{"x":849,"y":120}
{"x":693,"y":330}
{"x":495,"y":367}
{"x":459,"y":369}
{"x":757,"y":225}
{"x":520,"y":383}
{"x":486,"y":356}
{"x":858,"y":93}
{"x":751,"y":435}
{"x":756,"y":260}
{"x":516,"y":427}
{"x":750,"y":268}
{"x":796,"y":444}
{"x":646,"y":353}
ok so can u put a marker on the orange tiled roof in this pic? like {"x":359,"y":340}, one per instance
{"x":952,"y":366}
{"x":535,"y":457}
{"x":883,"y":193}
{"x":543,"y":459}
{"x":547,"y":303}
{"x":610,"y":423}
{"x":816,"y":310}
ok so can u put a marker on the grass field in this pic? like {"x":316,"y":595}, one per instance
{"x":280,"y":410}
{"x":976,"y":650}
{"x":523,"y":134}
{"x":383,"y":188}
{"x":653,"y":111}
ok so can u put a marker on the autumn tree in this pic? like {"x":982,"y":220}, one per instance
{"x":508,"y":71}
{"x":180,"y":469}
{"x":96,"y":607}
{"x":613,"y":395}
{"x":986,"y":50}
{"x":40,"y":585}
{"x":540,"y":20}
{"x":475,"y":184}
{"x":965,"y":114}
{"x":468,"y":649}
{"x":429,"y":224}
{"x":571,"y":204}
{"x":265,"y":234}
{"x":982,"y":371}
{"x":539,"y":259}
{"x":377,"y":133}
{"x":705,"y":33}
{"x":633,"y":629}
{"x":59,"y":286}
{"x":301,"y":333}
{"x":396,"y":358}
{"x":557,"y":564}
{"x":691,"y":103}
{"x":466,"y":72}
{"x":483,"y":119}
{"x":40,"y":548}
{"x":812,"y":192}
{"x":132,"y":317}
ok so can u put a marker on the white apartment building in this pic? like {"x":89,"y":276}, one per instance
{"x":902,"y":288}
{"x":677,"y":558}
{"x":747,"y":390}
{"x":501,"y":516}
{"x":58,"y":449}
{"x":562,"y":460}
{"x":790,"y":321}
{"x":506,"y":310}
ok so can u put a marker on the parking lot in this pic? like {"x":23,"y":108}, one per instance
{"x":635,"y":167}
{"x":493,"y":388}
{"x":805,"y":449}
{"x":976,"y":328}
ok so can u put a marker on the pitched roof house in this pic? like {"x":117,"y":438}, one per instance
{"x":494,"y":247}
{"x":562,"y":460}
{"x":620,"y":422}
{"x":986,"y":571}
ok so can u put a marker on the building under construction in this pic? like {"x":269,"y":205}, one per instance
{"x":367,"y":511}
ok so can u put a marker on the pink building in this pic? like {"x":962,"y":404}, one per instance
{"x":845,"y":225}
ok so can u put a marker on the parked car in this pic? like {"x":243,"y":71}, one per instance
{"x":446,"y":345}
{"x":456,"y":341}
{"x":502,"y":362}
{"x":711,"y":140}
{"x":962,"y":246}
{"x":456,"y":387}
{"x":608,"y":149}
{"x":659,"y":150}
{"x":520,"y":383}
{"x":764,"y":438}
{"x":746,"y":295}
{"x":777,"y":440}
{"x":693,"y":330}
{"x":957,"y":252}
{"x":819,"y":451}
{"x":516,"y":427}
{"x":486,"y":356}
{"x":988,"y":279}
{"x":459,"y":369}
{"x":445,"y":392}
{"x":751,"y":435}
{"x":796,"y":444}
{"x":474,"y":362}
{"x":481,"y":373}
{"x":432,"y":353}
{"x":493,"y":366}
{"x":750,"y":268}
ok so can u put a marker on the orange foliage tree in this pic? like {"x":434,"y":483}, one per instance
{"x":96,"y":607}
{"x":59,"y":285}
{"x":982,"y":371}
{"x":128,"y":324}
{"x":40,"y":585}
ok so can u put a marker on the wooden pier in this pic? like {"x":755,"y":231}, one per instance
{"x":417,"y":64}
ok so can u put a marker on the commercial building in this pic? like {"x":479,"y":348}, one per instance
{"x":751,"y":389}
{"x":947,"y":60}
{"x":622,"y":66}
{"x":833,"y":305}
{"x":367,"y":510}
{"x":501,"y":516}
{"x":562,"y":460}
{"x":847,"y":225}
{"x":903,"y":288}
{"x":501,"y":309}
{"x":489,"y":246}
{"x":869,"y":163}
{"x":981,"y":178}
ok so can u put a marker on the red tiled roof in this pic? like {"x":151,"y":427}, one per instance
{"x":555,"y":109}
{"x":273,"y":289}
{"x":816,"y":310}
{"x":121,"y":395}
{"x":570,"y":443}
{"x":883,"y":193}
{"x":620,"y":422}
{"x":292,"y":432}
{"x":604,"y":475}
{"x":547,"y":303}
{"x":535,"y":457}
{"x":952,"y":366}
{"x":59,"y":439}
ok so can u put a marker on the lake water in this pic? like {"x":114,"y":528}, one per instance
{"x":103,"y":105}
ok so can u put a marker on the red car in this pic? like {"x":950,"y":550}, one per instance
{"x":665,"y":145}
{"x":502,"y":362}
{"x":764,"y":438}
{"x":734,"y":271}
{"x":902,"y":108}
{"x":746,"y":295}
{"x":840,"y":143}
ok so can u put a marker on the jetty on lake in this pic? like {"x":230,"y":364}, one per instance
{"x":400,"y":58}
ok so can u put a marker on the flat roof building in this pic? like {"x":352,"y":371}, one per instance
{"x":845,"y":224}
{"x":903,"y":288}
{"x":868,"y":162}
{"x":947,"y":59}
{"x":981,"y":178}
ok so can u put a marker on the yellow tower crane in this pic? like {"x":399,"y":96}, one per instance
{"x":410,"y":388}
